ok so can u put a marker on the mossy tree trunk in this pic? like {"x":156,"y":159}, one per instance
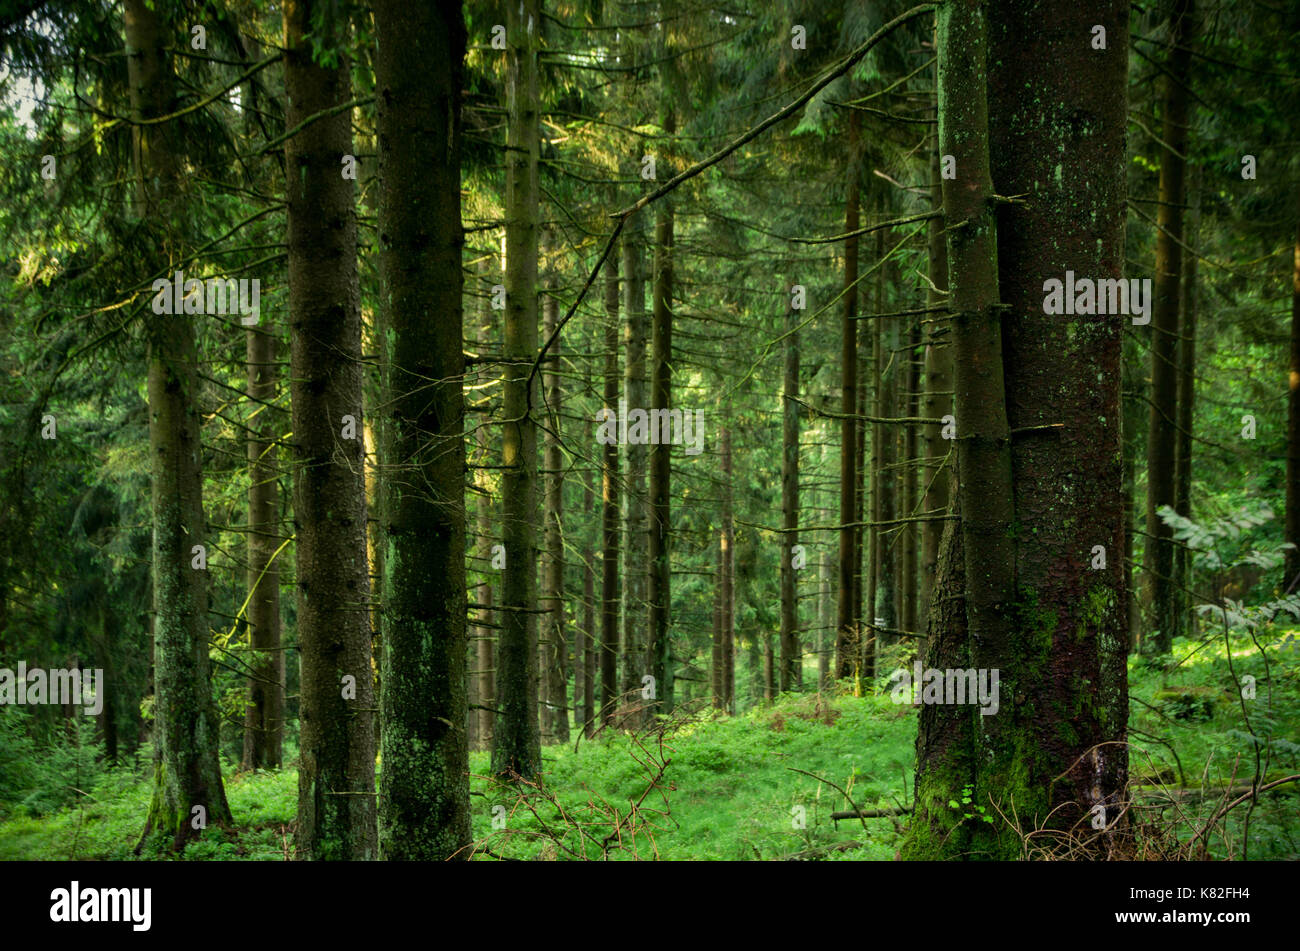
{"x":336,"y":774}
{"x":610,"y":510}
{"x":517,"y":741}
{"x":1036,"y":609}
{"x":424,"y":784}
{"x":188,"y":791}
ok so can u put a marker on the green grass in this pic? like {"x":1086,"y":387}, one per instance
{"x":730,"y":787}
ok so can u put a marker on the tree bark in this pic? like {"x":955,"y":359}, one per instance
{"x":264,"y":712}
{"x":187,"y":776}
{"x":1186,"y":405}
{"x":636,"y":534}
{"x":846,"y":646}
{"x":424,"y":784}
{"x":790,"y":655}
{"x":1293,"y":424}
{"x":610,"y":506}
{"x":660,"y":647}
{"x":553,"y":565}
{"x":336,"y":774}
{"x":517,"y":741}
{"x":1161,"y":433}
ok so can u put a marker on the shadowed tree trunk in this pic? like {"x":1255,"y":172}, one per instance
{"x":264,"y":713}
{"x":1036,"y":610}
{"x":790,"y":657}
{"x":846,"y":646}
{"x":660,"y":647}
{"x":187,"y":792}
{"x":610,"y":593}
{"x":728,"y":545}
{"x":516,"y":740}
{"x":556,"y":640}
{"x":1186,"y":403}
{"x":1293,"y":424}
{"x":336,"y":775}
{"x":424,"y":784}
{"x":1161,"y":432}
{"x":636,"y":533}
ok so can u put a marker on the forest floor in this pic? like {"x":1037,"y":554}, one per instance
{"x":762,"y":785}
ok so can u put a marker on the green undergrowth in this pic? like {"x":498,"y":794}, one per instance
{"x":761,"y":785}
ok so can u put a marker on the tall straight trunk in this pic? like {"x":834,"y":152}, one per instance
{"x":718,"y":668}
{"x":1186,"y":403}
{"x":911,"y":403}
{"x":660,"y":550}
{"x":937,"y":473}
{"x":790,"y":655}
{"x":769,"y":663}
{"x":957,"y":749}
{"x":1161,"y":432}
{"x":1293,"y":424}
{"x":553,"y":600}
{"x":636,"y":540}
{"x":187,"y":776}
{"x":825,"y":622}
{"x":424,"y":785}
{"x":862,"y":487}
{"x":485,"y":638}
{"x":1056,"y":748}
{"x":846,"y":646}
{"x":610,"y":588}
{"x":888,"y":546}
{"x":585,"y":654}
{"x":728,"y":573}
{"x":264,"y":711}
{"x":517,"y":742}
{"x":876,"y":538}
{"x":336,"y":775}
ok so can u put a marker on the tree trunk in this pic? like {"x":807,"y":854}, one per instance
{"x":660,"y":646}
{"x":264,"y":712}
{"x":187,"y":776}
{"x":728,"y":572}
{"x":517,"y":742}
{"x":1161,"y":438}
{"x":955,"y":748}
{"x":424,"y":784}
{"x":636,"y":536}
{"x":790,"y":655}
{"x":609,"y":504}
{"x":1036,"y":609}
{"x":908,"y":471}
{"x":937,"y":472}
{"x":553,"y":565}
{"x":846,"y":646}
{"x":1293,"y":424}
{"x":336,"y":775}
{"x":1186,"y":406}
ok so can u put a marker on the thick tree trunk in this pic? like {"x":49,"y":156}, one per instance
{"x":336,"y":774}
{"x":187,"y":780}
{"x":1161,"y":433}
{"x":424,"y":784}
{"x":1056,"y":745}
{"x":264,"y":712}
{"x":846,"y":646}
{"x":584,"y":656}
{"x":517,"y":742}
{"x":791,"y":658}
{"x":956,"y":748}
